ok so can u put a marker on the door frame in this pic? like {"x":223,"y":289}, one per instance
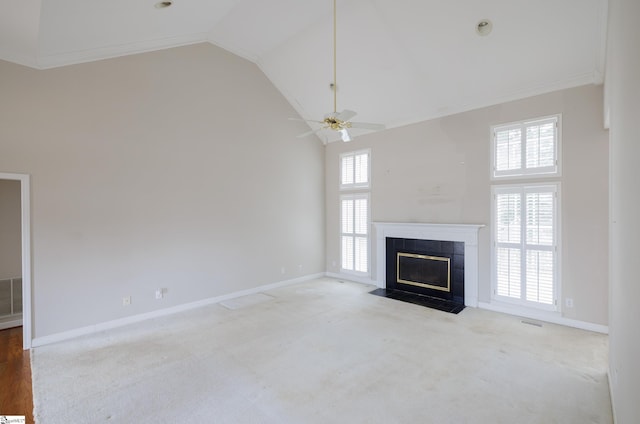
{"x":25,"y":210}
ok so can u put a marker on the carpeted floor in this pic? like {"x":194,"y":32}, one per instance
{"x":325,"y":352}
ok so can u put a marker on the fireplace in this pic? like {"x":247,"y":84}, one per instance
{"x":430,"y":272}
{"x":435,"y":261}
{"x":433,"y":269}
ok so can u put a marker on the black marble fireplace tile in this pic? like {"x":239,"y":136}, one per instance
{"x":423,"y":245}
{"x":458,"y":248}
{"x":446,"y":247}
{"x":434,"y":246}
{"x":458,"y":276}
{"x":412,"y":244}
{"x":398,"y":243}
{"x":416,"y":299}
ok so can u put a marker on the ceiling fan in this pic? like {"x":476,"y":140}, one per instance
{"x":335,"y":121}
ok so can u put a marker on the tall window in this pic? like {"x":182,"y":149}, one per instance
{"x":354,"y":211}
{"x":525,"y":244}
{"x":355,"y":232}
{"x":525,"y":216}
{"x":527,"y":148}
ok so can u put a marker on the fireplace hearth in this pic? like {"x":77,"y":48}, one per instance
{"x":425,"y":272}
{"x":418,"y":299}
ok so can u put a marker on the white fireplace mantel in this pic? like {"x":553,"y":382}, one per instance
{"x":467,"y":233}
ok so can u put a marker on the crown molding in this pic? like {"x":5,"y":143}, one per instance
{"x":18,"y":59}
{"x":82,"y":56}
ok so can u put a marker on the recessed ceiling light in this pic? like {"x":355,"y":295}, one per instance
{"x":163,"y":4}
{"x":484,"y":27}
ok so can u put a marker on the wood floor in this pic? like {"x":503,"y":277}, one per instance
{"x":16,"y":397}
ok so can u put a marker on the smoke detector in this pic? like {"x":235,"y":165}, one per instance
{"x":484,"y":27}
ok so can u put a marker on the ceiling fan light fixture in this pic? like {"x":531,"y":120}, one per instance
{"x":345,"y":135}
{"x":335,"y":121}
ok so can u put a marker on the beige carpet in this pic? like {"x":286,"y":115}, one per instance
{"x":325,"y":352}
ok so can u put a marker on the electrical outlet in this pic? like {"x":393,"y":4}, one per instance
{"x":159,"y":294}
{"x":568,"y":302}
{"x":282,"y":270}
{"x":300,"y":268}
{"x":126,"y":301}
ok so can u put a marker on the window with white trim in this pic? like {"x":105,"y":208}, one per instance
{"x":526,"y":148}
{"x":525,"y":265}
{"x":354,"y":211}
{"x":355,"y":232}
{"x":354,"y":170}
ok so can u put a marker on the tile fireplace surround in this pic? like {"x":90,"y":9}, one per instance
{"x":467,"y":233}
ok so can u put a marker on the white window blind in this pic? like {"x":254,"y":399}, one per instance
{"x":347,"y":172}
{"x":527,"y":148}
{"x":354,"y":211}
{"x":354,"y":170}
{"x":525,"y":244}
{"x":509,"y":264}
{"x":508,"y":149}
{"x":355,"y":232}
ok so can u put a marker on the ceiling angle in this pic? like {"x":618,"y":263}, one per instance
{"x":340,"y":122}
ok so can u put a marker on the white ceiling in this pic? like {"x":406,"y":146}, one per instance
{"x":399,"y":61}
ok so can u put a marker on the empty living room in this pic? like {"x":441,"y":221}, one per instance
{"x":330,"y":211}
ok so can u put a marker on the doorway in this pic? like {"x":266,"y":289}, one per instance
{"x":10,"y":255}
{"x":25,"y":246}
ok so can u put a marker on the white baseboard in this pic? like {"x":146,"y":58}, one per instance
{"x":551,"y":317}
{"x":10,"y":324}
{"x":613,"y":403}
{"x":83,"y":331}
{"x":354,"y":278}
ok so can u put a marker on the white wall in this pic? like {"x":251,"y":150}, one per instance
{"x":10,"y":230}
{"x":623,"y":94}
{"x":438,"y":171}
{"x":175,"y":169}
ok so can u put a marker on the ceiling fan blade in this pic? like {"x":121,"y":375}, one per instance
{"x":310,"y":132}
{"x":367,"y":126}
{"x":306,"y":120}
{"x":346,"y":114}
{"x":345,"y":135}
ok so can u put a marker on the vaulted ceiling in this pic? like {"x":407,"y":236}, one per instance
{"x":398,"y":61}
